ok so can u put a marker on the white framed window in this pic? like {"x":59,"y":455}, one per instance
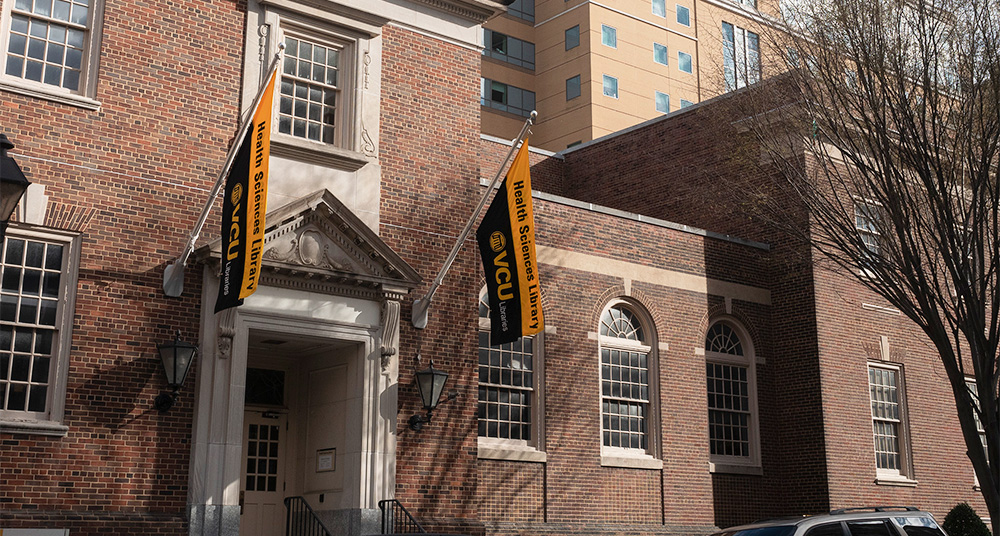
{"x":889,"y":426}
{"x":628,"y":383}
{"x":573,"y":37}
{"x":660,"y":54}
{"x":573,"y":87}
{"x":610,"y":86}
{"x":731,"y":376}
{"x":609,"y":36}
{"x":313,"y":79}
{"x":683,"y":15}
{"x":659,"y":8}
{"x":867,"y":218}
{"x":510,"y":409}
{"x":662,"y":102}
{"x":740,"y":56}
{"x":38,"y":275}
{"x":686,"y":103}
{"x":970,"y":384}
{"x":51,"y":48}
{"x":684,"y":62}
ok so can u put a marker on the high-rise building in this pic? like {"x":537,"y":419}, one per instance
{"x":591,"y":68}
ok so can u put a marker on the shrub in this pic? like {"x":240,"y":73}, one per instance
{"x":963,"y":521}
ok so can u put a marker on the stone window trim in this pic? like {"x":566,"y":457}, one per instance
{"x":649,"y":457}
{"x":354,"y":147}
{"x":903,"y":475}
{"x":533,"y":450}
{"x":85,"y":95}
{"x":49,"y":423}
{"x":749,"y":359}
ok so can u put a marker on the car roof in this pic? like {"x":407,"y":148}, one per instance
{"x":845,"y":514}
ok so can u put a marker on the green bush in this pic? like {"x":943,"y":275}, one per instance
{"x":963,"y":521}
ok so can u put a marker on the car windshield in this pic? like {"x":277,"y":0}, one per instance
{"x":919,"y":526}
{"x":780,"y":530}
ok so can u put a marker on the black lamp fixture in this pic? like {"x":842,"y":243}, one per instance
{"x":13,"y":184}
{"x":430,"y":383}
{"x":176,"y":357}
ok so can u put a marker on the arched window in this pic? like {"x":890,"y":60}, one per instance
{"x":509,"y":376}
{"x":732,"y":397}
{"x":627,"y":380}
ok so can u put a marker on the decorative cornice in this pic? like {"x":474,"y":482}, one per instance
{"x":475,"y":10}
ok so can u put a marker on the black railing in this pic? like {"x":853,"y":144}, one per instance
{"x":396,"y":520}
{"x":301,"y":520}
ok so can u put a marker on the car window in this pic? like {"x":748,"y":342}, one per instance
{"x":869,"y":528}
{"x":780,"y":530}
{"x":827,"y":529}
{"x":919,"y":526}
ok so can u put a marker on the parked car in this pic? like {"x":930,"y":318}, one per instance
{"x":869,"y":521}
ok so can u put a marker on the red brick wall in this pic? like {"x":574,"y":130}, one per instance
{"x":135,"y":174}
{"x":430,"y":186}
{"x":580,"y":496}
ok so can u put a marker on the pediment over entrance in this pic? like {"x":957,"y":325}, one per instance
{"x":317,"y":244}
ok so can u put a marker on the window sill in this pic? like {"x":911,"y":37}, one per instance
{"x":42,"y":92}
{"x":511,"y":453}
{"x":283,"y":145}
{"x":44,"y":428}
{"x":894,"y":480}
{"x":631,"y":462}
{"x":735,"y":469}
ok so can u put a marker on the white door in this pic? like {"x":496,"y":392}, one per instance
{"x":262,"y":486}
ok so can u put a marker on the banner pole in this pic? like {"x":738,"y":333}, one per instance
{"x":418,"y":315}
{"x":173,"y":274}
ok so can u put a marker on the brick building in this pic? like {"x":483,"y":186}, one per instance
{"x":122,"y":112}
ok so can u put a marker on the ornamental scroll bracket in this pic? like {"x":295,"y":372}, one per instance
{"x":390,"y":332}
{"x":226,"y":330}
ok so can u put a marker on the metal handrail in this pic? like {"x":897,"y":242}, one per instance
{"x":396,"y":520}
{"x":301,"y":520}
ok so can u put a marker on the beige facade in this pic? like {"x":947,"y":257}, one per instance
{"x":640,"y":52}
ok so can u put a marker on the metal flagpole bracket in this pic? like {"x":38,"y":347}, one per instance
{"x":421,"y":306}
{"x":173,"y":274}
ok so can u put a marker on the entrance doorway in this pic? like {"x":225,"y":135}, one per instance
{"x":262,"y":487}
{"x":266,"y":442}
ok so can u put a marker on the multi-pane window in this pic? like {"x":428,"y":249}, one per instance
{"x":522,"y":9}
{"x":660,"y":53}
{"x":609,"y":36}
{"x":573,"y":87}
{"x":683,"y":15}
{"x":888,"y":423}
{"x":740,"y":56}
{"x":625,"y":379}
{"x":507,"y":98}
{"x":311,"y":91}
{"x":662,"y":102}
{"x":730,"y":376}
{"x":684,"y":62}
{"x":507,"y":376}
{"x":866,"y":221}
{"x":970,"y":384}
{"x":610,"y":84}
{"x":33,"y":294}
{"x":659,"y":8}
{"x":573,"y":37}
{"x":509,"y":49}
{"x":49,"y":42}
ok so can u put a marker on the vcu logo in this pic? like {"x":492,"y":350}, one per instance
{"x":501,"y":268}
